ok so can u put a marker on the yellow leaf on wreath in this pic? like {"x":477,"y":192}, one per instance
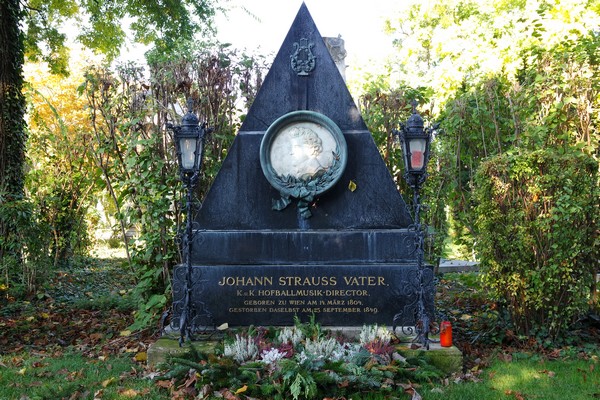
{"x":242,"y":389}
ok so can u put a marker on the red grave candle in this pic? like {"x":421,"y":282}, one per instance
{"x":445,"y":334}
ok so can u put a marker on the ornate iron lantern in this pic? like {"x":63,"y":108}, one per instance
{"x":189,"y":143}
{"x":415,"y":141}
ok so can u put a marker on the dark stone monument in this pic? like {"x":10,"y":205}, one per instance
{"x":262,"y":253}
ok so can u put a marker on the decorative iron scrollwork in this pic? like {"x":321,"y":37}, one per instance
{"x":190,"y":314}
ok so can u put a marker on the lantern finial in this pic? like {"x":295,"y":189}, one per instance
{"x":414,"y":105}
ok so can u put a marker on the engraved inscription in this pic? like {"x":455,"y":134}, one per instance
{"x":303,"y":294}
{"x":338,"y":295}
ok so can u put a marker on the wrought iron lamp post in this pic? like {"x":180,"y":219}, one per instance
{"x":415,"y":141}
{"x":189,"y":143}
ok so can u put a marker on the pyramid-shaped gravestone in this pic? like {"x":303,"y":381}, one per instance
{"x":333,"y":240}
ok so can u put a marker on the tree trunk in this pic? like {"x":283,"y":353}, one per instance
{"x":12,"y":110}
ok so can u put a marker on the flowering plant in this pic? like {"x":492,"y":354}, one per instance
{"x":303,"y":362}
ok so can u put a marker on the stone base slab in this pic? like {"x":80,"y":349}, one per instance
{"x":447,"y":359}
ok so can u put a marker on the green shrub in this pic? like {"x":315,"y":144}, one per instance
{"x":538,"y":237}
{"x":24,"y":248}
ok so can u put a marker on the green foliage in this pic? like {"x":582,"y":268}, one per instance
{"x":12,"y":102}
{"x":310,"y":329}
{"x":503,"y":77}
{"x":551,"y":102}
{"x":383,"y":109}
{"x":43,"y":40}
{"x":25,"y":246}
{"x":298,"y":380}
{"x":60,"y":181}
{"x":301,"y":370}
{"x":101,"y":26}
{"x":444,"y":44}
{"x":538,"y":214}
{"x":61,"y":175}
{"x":135,"y":154}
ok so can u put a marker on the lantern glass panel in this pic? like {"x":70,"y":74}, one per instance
{"x":417,"y":153}
{"x":187,"y":147}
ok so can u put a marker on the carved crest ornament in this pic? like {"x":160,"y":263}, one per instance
{"x":303,"y":60}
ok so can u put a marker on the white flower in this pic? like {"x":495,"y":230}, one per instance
{"x":345,"y":352}
{"x":301,"y":357}
{"x":271,"y":356}
{"x":291,"y":335}
{"x":242,"y":349}
{"x":321,"y":348}
{"x":370,"y":333}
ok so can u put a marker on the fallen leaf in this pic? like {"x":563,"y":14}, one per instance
{"x":223,"y":326}
{"x":108,"y":382}
{"x":351,"y":186}
{"x":125,"y":333}
{"x":142,"y":356}
{"x":191,"y":381}
{"x":416,"y":396}
{"x":96,"y":336}
{"x":164,"y":384}
{"x":554,"y":354}
{"x":516,"y":395}
{"x":151,"y":375}
{"x":128,"y":393}
{"x":242,"y":389}
{"x":228,"y":395}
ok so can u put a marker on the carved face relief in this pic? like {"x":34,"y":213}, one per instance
{"x":302,"y":155}
{"x":302,"y":150}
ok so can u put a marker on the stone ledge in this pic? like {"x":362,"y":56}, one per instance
{"x":447,"y":359}
{"x":167,"y":346}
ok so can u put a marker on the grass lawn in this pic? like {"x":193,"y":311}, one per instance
{"x":528,"y":377}
{"x":70,"y":375}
